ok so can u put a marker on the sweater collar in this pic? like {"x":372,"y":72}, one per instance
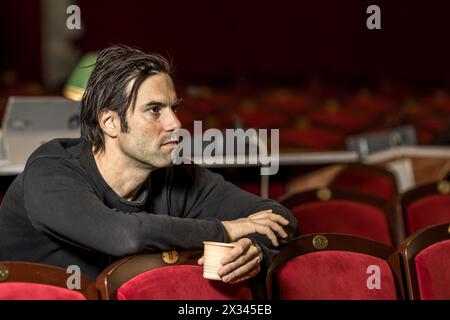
{"x":110,"y":197}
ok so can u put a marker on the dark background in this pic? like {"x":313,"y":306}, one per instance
{"x":272,"y":42}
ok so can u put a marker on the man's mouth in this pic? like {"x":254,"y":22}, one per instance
{"x":170,"y":144}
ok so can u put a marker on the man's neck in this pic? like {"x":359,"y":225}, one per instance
{"x":121,"y":174}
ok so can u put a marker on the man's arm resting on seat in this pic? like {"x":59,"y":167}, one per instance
{"x":62,"y":203}
{"x":258,"y":225}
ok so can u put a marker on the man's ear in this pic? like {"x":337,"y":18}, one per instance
{"x":109,"y":122}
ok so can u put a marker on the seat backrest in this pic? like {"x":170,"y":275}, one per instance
{"x":33,"y":281}
{"x":336,"y":211}
{"x":171,"y":275}
{"x":367,"y":179}
{"x":426,"y":260}
{"x":335,"y":267}
{"x":426,"y":205}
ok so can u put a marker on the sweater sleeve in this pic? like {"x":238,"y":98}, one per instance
{"x":62,"y":203}
{"x":213,"y":197}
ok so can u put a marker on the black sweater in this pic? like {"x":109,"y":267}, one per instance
{"x":60,"y":211}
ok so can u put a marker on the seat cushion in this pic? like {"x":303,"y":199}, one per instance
{"x":342,"y":216}
{"x":433,"y":271}
{"x":367,"y":182}
{"x":183,"y":282}
{"x":428,"y":211}
{"x":334,"y":275}
{"x":35,"y":291}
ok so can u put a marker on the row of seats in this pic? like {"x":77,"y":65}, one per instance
{"x":363,"y":201}
{"x":311,"y":267}
{"x":334,"y":266}
{"x":315,"y":118}
{"x":359,"y":206}
{"x":316,"y":121}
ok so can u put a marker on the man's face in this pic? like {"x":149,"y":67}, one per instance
{"x":151,"y":123}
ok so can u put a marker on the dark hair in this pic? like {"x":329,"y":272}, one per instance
{"x":115,"y":67}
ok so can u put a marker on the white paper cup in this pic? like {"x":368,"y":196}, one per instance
{"x":213,"y":253}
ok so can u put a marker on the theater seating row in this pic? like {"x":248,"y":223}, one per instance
{"x":322,"y":120}
{"x":316,"y":118}
{"x":311,"y":267}
{"x":362,"y":200}
{"x":336,"y":266}
{"x":354,"y":224}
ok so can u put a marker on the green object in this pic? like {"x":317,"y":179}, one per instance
{"x":78,"y":80}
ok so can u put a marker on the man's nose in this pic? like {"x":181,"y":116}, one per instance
{"x":171,"y":121}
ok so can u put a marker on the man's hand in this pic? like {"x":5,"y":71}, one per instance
{"x":265,"y":222}
{"x":241,"y":263}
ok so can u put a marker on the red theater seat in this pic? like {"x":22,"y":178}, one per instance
{"x":367,"y":179}
{"x":372,"y":105}
{"x":336,"y":211}
{"x":426,"y":257}
{"x":32,"y":281}
{"x":347,"y":121}
{"x":335,"y":267}
{"x":261,"y":119}
{"x":435,"y":125}
{"x":165,"y":276}
{"x":426,"y":205}
{"x":439,"y":102}
{"x":311,"y":138}
{"x":287,"y":101}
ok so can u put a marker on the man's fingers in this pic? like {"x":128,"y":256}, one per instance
{"x":260,"y":212}
{"x":273,"y":225}
{"x":266,"y":231}
{"x":239,"y":228}
{"x":243,"y":259}
{"x":200,"y":261}
{"x":245,"y":270}
{"x":272,"y":216}
{"x":250,"y":275}
{"x":241,"y":247}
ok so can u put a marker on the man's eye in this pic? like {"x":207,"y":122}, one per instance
{"x":154,"y":109}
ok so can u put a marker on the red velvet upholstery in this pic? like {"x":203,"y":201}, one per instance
{"x":434,"y":125}
{"x":182,"y":282}
{"x":261,"y":119}
{"x":333,"y":275}
{"x":287,"y":102}
{"x":342,"y":216}
{"x":34,"y":291}
{"x":359,"y":179}
{"x":375,"y":106}
{"x":347,"y":121}
{"x":433,"y":271}
{"x":439,"y":102}
{"x":314,"y":138}
{"x":431,"y":210}
{"x":424,"y":136}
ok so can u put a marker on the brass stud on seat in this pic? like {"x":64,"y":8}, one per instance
{"x":324,"y":194}
{"x":320,"y":242}
{"x":443,"y":187}
{"x":4,"y":273}
{"x":170,"y":257}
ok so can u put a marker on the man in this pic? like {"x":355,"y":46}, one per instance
{"x":114,"y":193}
